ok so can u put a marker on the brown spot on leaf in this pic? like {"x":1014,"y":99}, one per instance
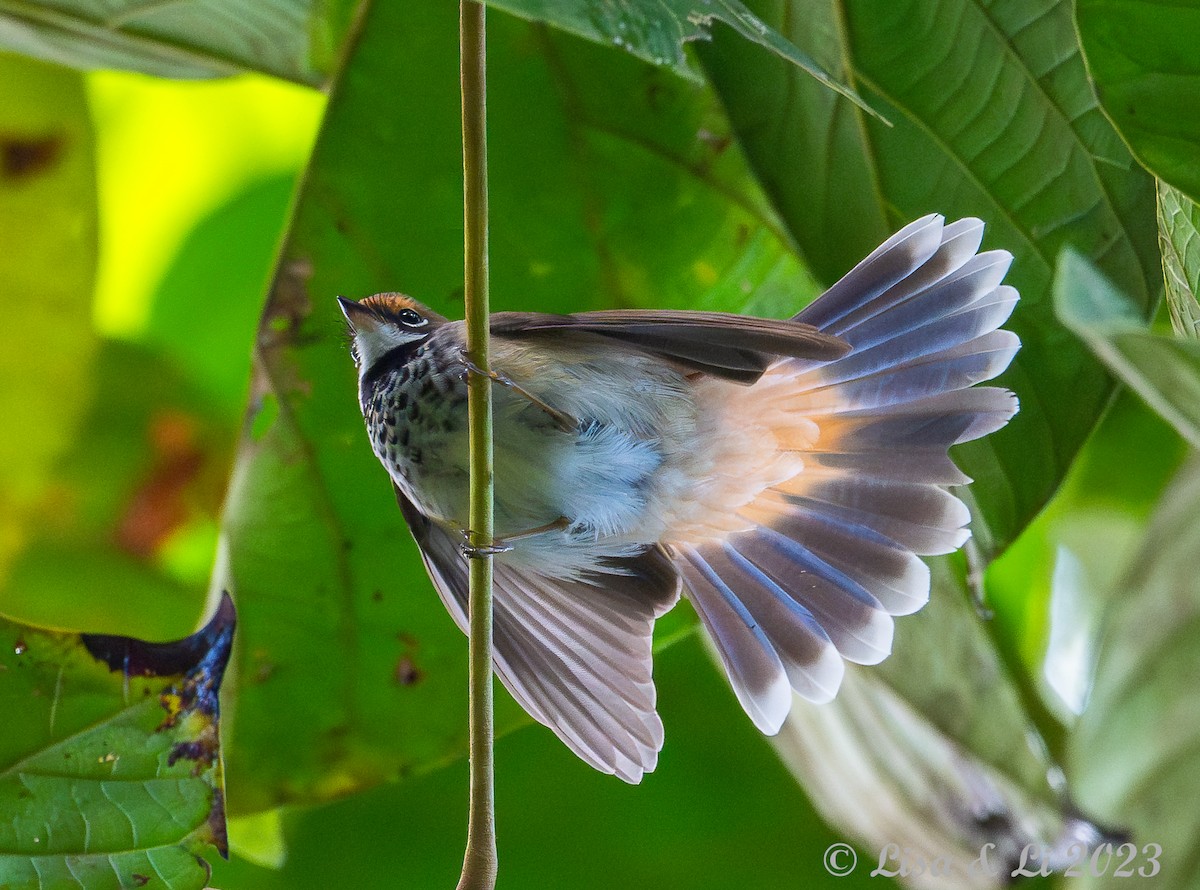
{"x":287,"y":309}
{"x":140,"y":880}
{"x":160,"y":504}
{"x":377,"y":596}
{"x":718,"y":142}
{"x":20,"y":647}
{"x":288,"y":306}
{"x":654,"y":94}
{"x":23,"y":157}
{"x":201,"y":750}
{"x":407,"y":673}
{"x":262,"y":668}
{"x":216,"y":824}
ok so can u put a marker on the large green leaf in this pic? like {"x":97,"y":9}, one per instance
{"x":993,"y":117}
{"x":1134,"y":754}
{"x":351,"y":671}
{"x":1179,"y":235}
{"x":1141,"y":55}
{"x":47,"y":266}
{"x":114,"y":780}
{"x":193,"y":38}
{"x":1165,"y":371}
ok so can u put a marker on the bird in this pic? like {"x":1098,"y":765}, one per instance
{"x":785,"y":476}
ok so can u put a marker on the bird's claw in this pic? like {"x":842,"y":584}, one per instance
{"x":481,"y":551}
{"x":564,"y":421}
{"x":471,"y":368}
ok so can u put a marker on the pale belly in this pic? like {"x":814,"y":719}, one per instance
{"x":597,"y":482}
{"x":656,"y":457}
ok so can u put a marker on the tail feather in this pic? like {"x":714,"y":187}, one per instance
{"x":902,"y":309}
{"x":925,"y":425}
{"x":893,"y":574}
{"x":928,"y":375}
{"x":925,"y":337}
{"x":853,"y":618}
{"x":763,"y":667}
{"x":897,"y":258}
{"x":751,"y":661}
{"x":928,"y":535}
{"x":834,"y":550}
{"x":915,"y":466}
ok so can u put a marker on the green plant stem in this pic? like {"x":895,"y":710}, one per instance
{"x":479,"y":862}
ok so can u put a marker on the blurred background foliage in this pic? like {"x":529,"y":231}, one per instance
{"x":179,"y":412}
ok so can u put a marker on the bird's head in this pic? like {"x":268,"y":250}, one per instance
{"x":387,"y":326}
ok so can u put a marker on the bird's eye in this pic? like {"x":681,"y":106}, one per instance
{"x":410,"y":316}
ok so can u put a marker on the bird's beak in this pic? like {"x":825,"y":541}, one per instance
{"x":362,"y":320}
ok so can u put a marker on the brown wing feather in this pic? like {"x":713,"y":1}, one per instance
{"x":735,"y":347}
{"x":576,"y":655}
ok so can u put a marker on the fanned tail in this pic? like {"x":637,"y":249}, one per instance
{"x":832,"y":553}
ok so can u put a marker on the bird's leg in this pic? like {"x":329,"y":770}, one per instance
{"x":565,"y":421}
{"x":505,"y":544}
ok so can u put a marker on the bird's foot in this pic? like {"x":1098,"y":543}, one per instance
{"x":505,"y":544}
{"x":480,"y":551}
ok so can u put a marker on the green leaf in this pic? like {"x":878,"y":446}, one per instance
{"x":351,"y":671}
{"x":1134,"y":752}
{"x":658,"y":30}
{"x":1165,"y":371}
{"x":1141,"y":55}
{"x":193,"y":38}
{"x":993,"y":117}
{"x":115,"y":778}
{"x":1179,"y":236}
{"x":48,"y":207}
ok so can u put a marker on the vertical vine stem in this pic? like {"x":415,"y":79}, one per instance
{"x":479,"y":862}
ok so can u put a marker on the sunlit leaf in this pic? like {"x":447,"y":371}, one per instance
{"x":993,"y":117}
{"x":352,"y":672}
{"x":115,"y":778}
{"x":47,"y":266}
{"x":1165,"y":371}
{"x":1133,"y":755}
{"x":192,"y":38}
{"x":1179,"y":236}
{"x":1141,"y":55}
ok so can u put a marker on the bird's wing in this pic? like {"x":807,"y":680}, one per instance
{"x":734,"y":347}
{"x":575,"y":656}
